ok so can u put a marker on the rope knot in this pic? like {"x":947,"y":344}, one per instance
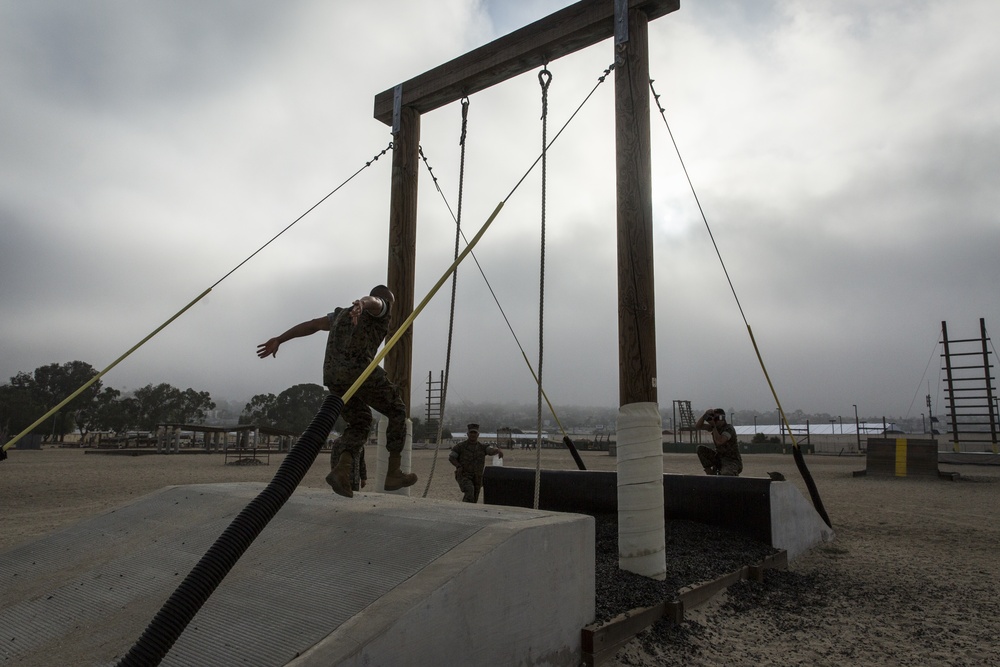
{"x":544,"y":79}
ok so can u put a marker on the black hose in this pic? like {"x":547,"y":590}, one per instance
{"x":576,"y":454}
{"x":800,"y":463}
{"x":191,"y":594}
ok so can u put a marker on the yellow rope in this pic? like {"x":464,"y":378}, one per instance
{"x":99,"y":375}
{"x":524,"y":355}
{"x":350,"y":391}
{"x":774,"y":393}
{"x":416,"y":311}
{"x":185,"y":308}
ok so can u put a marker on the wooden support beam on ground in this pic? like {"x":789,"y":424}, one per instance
{"x":600,"y":642}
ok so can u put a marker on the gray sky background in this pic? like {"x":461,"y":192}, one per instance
{"x":846,"y":155}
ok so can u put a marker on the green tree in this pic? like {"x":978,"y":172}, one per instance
{"x":29,"y":396}
{"x":109,"y":412}
{"x":258,"y":410}
{"x":193,"y":406}
{"x":291,"y":410}
{"x":154,"y":405}
{"x":296,"y":407}
{"x":18,"y":407}
{"x":164,"y":403}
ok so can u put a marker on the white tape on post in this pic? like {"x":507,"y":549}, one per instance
{"x":641,"y":532}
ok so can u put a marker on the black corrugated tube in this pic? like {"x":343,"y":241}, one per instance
{"x":184,"y":603}
{"x":572,"y":450}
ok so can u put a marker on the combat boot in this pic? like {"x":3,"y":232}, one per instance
{"x":395,"y":478}
{"x":339,"y":478}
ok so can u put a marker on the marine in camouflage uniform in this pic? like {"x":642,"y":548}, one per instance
{"x":724,"y":458}
{"x":469,"y":459}
{"x":355,"y":336}
{"x":349,"y":349}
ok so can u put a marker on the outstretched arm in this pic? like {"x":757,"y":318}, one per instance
{"x":307,"y":328}
{"x":370,"y":304}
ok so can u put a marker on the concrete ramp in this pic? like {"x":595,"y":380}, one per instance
{"x":373,"y":580}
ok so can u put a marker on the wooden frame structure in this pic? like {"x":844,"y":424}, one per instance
{"x":576,"y":27}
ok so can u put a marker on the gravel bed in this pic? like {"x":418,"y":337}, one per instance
{"x":695,"y":553}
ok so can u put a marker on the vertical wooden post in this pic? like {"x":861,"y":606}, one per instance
{"x":636,"y":320}
{"x":403,"y":245}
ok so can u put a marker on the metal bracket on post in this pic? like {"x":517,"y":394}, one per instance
{"x":397,"y":106}
{"x":621,"y":22}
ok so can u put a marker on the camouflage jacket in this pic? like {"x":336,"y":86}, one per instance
{"x":730,"y":449}
{"x":471,"y":456}
{"x":349,"y":347}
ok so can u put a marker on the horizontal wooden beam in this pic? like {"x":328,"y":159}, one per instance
{"x":576,"y":27}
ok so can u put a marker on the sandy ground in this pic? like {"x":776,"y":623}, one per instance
{"x":913,"y":577}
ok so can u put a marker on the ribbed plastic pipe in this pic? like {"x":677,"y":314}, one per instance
{"x":382,"y":457}
{"x":175,"y":614}
{"x":641,"y":533}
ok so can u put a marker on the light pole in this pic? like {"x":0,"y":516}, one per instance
{"x":857,"y":426}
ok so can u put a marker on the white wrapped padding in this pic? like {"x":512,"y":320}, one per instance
{"x":641,"y":533}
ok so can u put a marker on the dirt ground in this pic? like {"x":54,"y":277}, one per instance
{"x":912,"y":578}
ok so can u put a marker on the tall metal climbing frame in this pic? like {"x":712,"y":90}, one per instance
{"x":969,"y":391}
{"x":576,"y":27}
{"x":684,"y":422}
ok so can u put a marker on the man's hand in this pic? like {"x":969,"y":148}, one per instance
{"x":356,"y":309}
{"x":268,"y":349}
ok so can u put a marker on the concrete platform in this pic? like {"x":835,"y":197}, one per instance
{"x":373,"y":580}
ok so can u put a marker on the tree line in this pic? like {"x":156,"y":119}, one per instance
{"x":28,"y":396}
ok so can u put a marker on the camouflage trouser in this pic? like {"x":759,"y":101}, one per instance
{"x":719,"y":465}
{"x":379,"y":393}
{"x":470,"y":486}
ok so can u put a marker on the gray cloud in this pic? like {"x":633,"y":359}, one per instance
{"x":845,"y":156}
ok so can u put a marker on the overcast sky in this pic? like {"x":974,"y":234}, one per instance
{"x":846,"y":155}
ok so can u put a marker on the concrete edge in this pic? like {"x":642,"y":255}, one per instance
{"x":796,"y":526}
